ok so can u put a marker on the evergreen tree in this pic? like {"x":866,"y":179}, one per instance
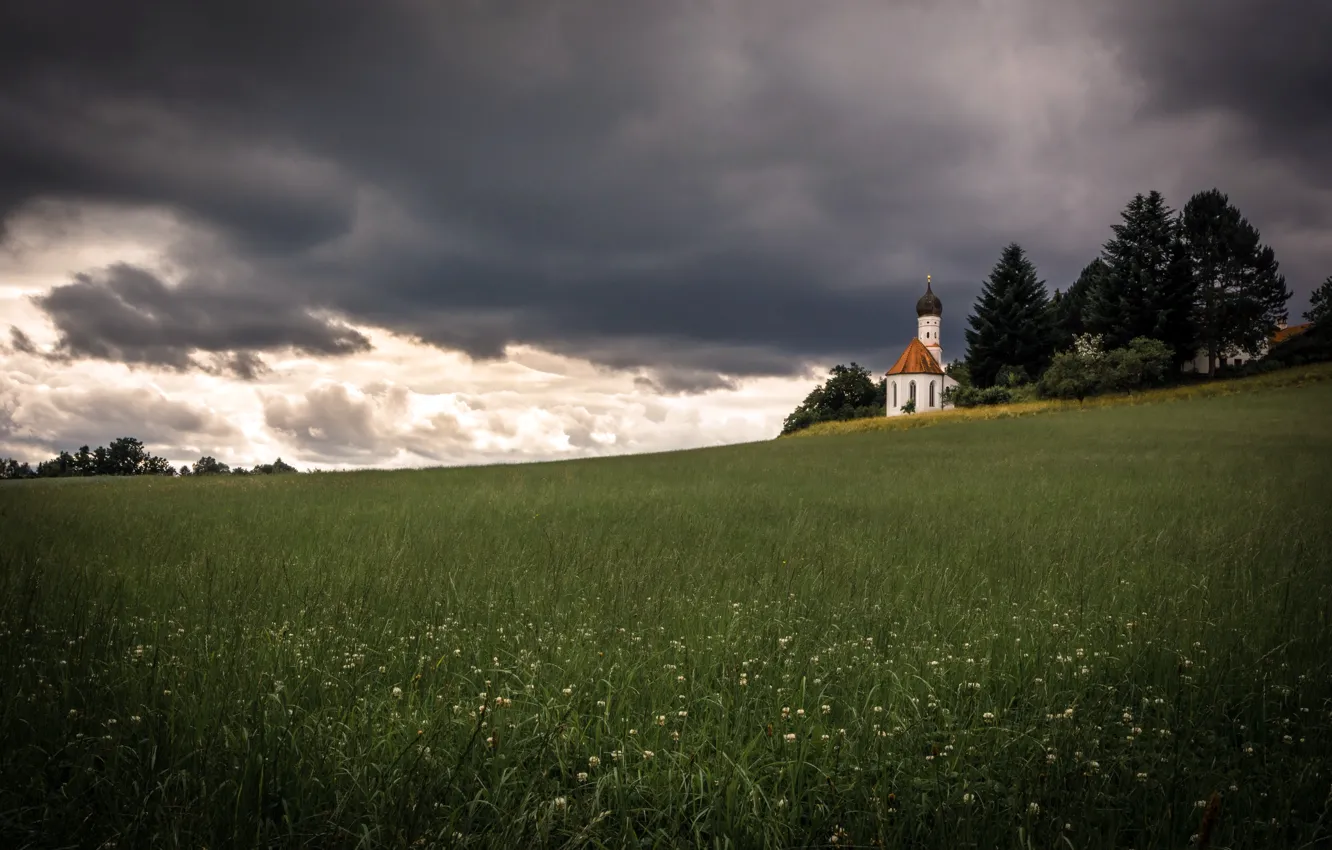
{"x":1320,"y":303}
{"x":1146,"y":290}
{"x":1011,"y":327}
{"x":1066,"y":308}
{"x":1240,"y":294}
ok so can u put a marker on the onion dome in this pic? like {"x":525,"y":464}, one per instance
{"x":929,"y":303}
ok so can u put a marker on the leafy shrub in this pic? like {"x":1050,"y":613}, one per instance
{"x":973,"y":397}
{"x":1087,"y":370}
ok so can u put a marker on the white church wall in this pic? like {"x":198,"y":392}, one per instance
{"x":902,"y":383}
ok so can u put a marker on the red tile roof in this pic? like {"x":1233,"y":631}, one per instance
{"x":1286,"y":333}
{"x":916,"y":360}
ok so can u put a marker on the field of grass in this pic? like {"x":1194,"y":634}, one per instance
{"x":1104,"y":628}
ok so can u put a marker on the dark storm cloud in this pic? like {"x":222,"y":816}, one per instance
{"x":1268,"y":64}
{"x":705,"y":191}
{"x":128,"y":314}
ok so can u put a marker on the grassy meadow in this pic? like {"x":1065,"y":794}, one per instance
{"x":1106,"y":627}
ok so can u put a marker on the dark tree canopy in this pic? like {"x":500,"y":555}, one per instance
{"x":849,"y":393}
{"x":1011,"y":328}
{"x":1066,"y":308}
{"x":1239,"y":293}
{"x":1146,"y":290}
{"x":1320,"y":303}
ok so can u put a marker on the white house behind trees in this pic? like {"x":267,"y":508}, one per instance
{"x":918,"y":374}
{"x":1234,"y":357}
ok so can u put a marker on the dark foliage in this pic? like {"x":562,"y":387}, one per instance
{"x":1146,"y":290}
{"x":1011,"y":325}
{"x":1240,"y":295}
{"x":849,"y":393}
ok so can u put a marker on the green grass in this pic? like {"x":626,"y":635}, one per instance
{"x":1054,"y":631}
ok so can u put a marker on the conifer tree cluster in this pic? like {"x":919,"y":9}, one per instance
{"x":1199,"y":279}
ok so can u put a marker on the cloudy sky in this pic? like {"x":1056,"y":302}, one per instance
{"x":409,"y":233}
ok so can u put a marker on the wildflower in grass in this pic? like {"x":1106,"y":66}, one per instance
{"x":1034,"y":808}
{"x":661,"y":720}
{"x":968,"y":799}
{"x":825,"y":709}
{"x":568,"y":692}
{"x":800,"y":713}
{"x":1140,"y":776}
{"x":675,"y":735}
{"x":988,"y":717}
{"x":823,"y":738}
{"x":581,"y":776}
{"x":648,"y":755}
{"x":561,"y":803}
{"x":789,"y":737}
{"x":73,"y":713}
{"x":134,"y":718}
{"x":397,"y":692}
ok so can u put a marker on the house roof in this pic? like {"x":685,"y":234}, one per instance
{"x":916,"y":360}
{"x":1286,"y":333}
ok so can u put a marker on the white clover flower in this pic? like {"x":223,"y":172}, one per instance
{"x":967,"y":798}
{"x":1034,"y":808}
{"x":397,"y":692}
{"x":561,"y":802}
{"x":988,"y":717}
{"x":648,"y":754}
{"x":790,"y":737}
{"x":581,"y":777}
{"x":825,"y":709}
{"x":593,"y":762}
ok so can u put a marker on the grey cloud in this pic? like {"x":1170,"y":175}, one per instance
{"x":63,"y":419}
{"x":127,"y":313}
{"x":698,"y":192}
{"x":1267,"y":64}
{"x":20,"y":342}
{"x":329,"y":423}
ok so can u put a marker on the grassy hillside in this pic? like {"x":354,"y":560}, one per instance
{"x":1297,"y":376}
{"x":1045,"y":631}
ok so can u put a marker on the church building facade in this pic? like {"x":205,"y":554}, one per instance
{"x":918,"y":375}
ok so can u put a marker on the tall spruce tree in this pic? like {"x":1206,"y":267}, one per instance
{"x":1066,"y":308}
{"x":1146,"y":290}
{"x":1011,"y":326}
{"x":1240,"y":295}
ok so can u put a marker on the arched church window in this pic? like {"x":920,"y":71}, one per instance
{"x":911,"y":391}
{"x":894,"y":395}
{"x":931,"y":393}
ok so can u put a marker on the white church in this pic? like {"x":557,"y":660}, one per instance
{"x":918,"y":374}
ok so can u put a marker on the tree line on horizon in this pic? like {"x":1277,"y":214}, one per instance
{"x":126,"y":456}
{"x":1165,"y":287}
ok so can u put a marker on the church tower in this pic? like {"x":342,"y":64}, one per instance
{"x":929,"y":309}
